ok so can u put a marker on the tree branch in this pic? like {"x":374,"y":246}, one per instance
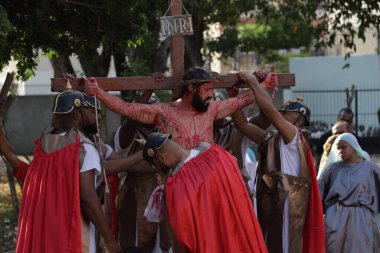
{"x":5,"y":100}
{"x":7,"y":84}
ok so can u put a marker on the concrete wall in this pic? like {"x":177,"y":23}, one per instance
{"x":29,"y":115}
{"x":322,"y":80}
{"x":320,"y":73}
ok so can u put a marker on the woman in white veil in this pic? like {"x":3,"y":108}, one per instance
{"x":349,"y":187}
{"x":334,"y":155}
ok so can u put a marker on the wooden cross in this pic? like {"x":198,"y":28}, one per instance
{"x":169,"y":83}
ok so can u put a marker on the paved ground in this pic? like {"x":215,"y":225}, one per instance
{"x":2,"y":167}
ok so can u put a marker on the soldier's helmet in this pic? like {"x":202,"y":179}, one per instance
{"x":66,"y":101}
{"x":297,"y":106}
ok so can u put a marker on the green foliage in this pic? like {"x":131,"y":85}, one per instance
{"x":5,"y":28}
{"x":288,"y":24}
{"x":130,"y":28}
{"x":13,"y":89}
{"x":226,"y":44}
{"x":70,"y":27}
{"x":282,"y":62}
{"x":138,"y":67}
{"x":253,"y":37}
{"x":267,"y":32}
{"x":164,"y":95}
{"x":349,"y":18}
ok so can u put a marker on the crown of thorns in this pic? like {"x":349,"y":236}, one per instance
{"x":196,"y":81}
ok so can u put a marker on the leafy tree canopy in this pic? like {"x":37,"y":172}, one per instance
{"x":284,"y":24}
{"x":70,"y":27}
{"x":130,"y":28}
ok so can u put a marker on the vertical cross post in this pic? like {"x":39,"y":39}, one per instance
{"x":177,"y":52}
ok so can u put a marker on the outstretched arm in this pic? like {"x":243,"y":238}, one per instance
{"x":229,"y":106}
{"x":116,"y":163}
{"x":139,"y":112}
{"x":128,"y":129}
{"x":115,"y":166}
{"x":263,"y":100}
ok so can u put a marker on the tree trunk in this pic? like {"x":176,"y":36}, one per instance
{"x":161,"y":57}
{"x":5,"y":103}
{"x":120,"y":62}
{"x":194,"y":56}
{"x":61,"y":65}
{"x":94,"y":64}
{"x":194,"y":44}
{"x":12,"y":187}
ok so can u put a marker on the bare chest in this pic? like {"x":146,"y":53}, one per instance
{"x":187,"y":127}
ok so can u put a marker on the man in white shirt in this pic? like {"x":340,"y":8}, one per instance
{"x":288,"y":201}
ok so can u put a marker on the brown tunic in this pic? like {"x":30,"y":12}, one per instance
{"x":273,"y":187}
{"x":133,"y":196}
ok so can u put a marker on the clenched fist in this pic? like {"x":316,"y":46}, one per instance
{"x":271,"y":81}
{"x":91,"y":87}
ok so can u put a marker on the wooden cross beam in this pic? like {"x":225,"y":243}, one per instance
{"x":147,"y":82}
{"x":169,"y":83}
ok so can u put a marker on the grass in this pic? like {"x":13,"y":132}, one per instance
{"x":8,"y":217}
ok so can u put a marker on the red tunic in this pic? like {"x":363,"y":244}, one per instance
{"x":209,"y":207}
{"x":50,"y":218}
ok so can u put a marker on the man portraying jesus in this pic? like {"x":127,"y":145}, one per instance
{"x":190,"y":119}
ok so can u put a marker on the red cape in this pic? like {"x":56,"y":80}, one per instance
{"x":314,"y":232}
{"x":50,"y":218}
{"x":21,"y":171}
{"x":209,"y":207}
{"x":114,"y":181}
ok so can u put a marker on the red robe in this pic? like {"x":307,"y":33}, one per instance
{"x":50,"y":218}
{"x":209,"y":207}
{"x":314,"y":231}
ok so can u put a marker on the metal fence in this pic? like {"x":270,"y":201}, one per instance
{"x":326,"y":104}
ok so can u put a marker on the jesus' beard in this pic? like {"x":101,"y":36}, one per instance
{"x":199,"y":104}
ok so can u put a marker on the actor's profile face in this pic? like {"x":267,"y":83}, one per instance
{"x":345,"y":116}
{"x":293,"y":117}
{"x":346,"y":152}
{"x":159,"y":163}
{"x":202,"y":97}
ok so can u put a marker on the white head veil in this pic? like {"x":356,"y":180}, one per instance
{"x":334,"y":153}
